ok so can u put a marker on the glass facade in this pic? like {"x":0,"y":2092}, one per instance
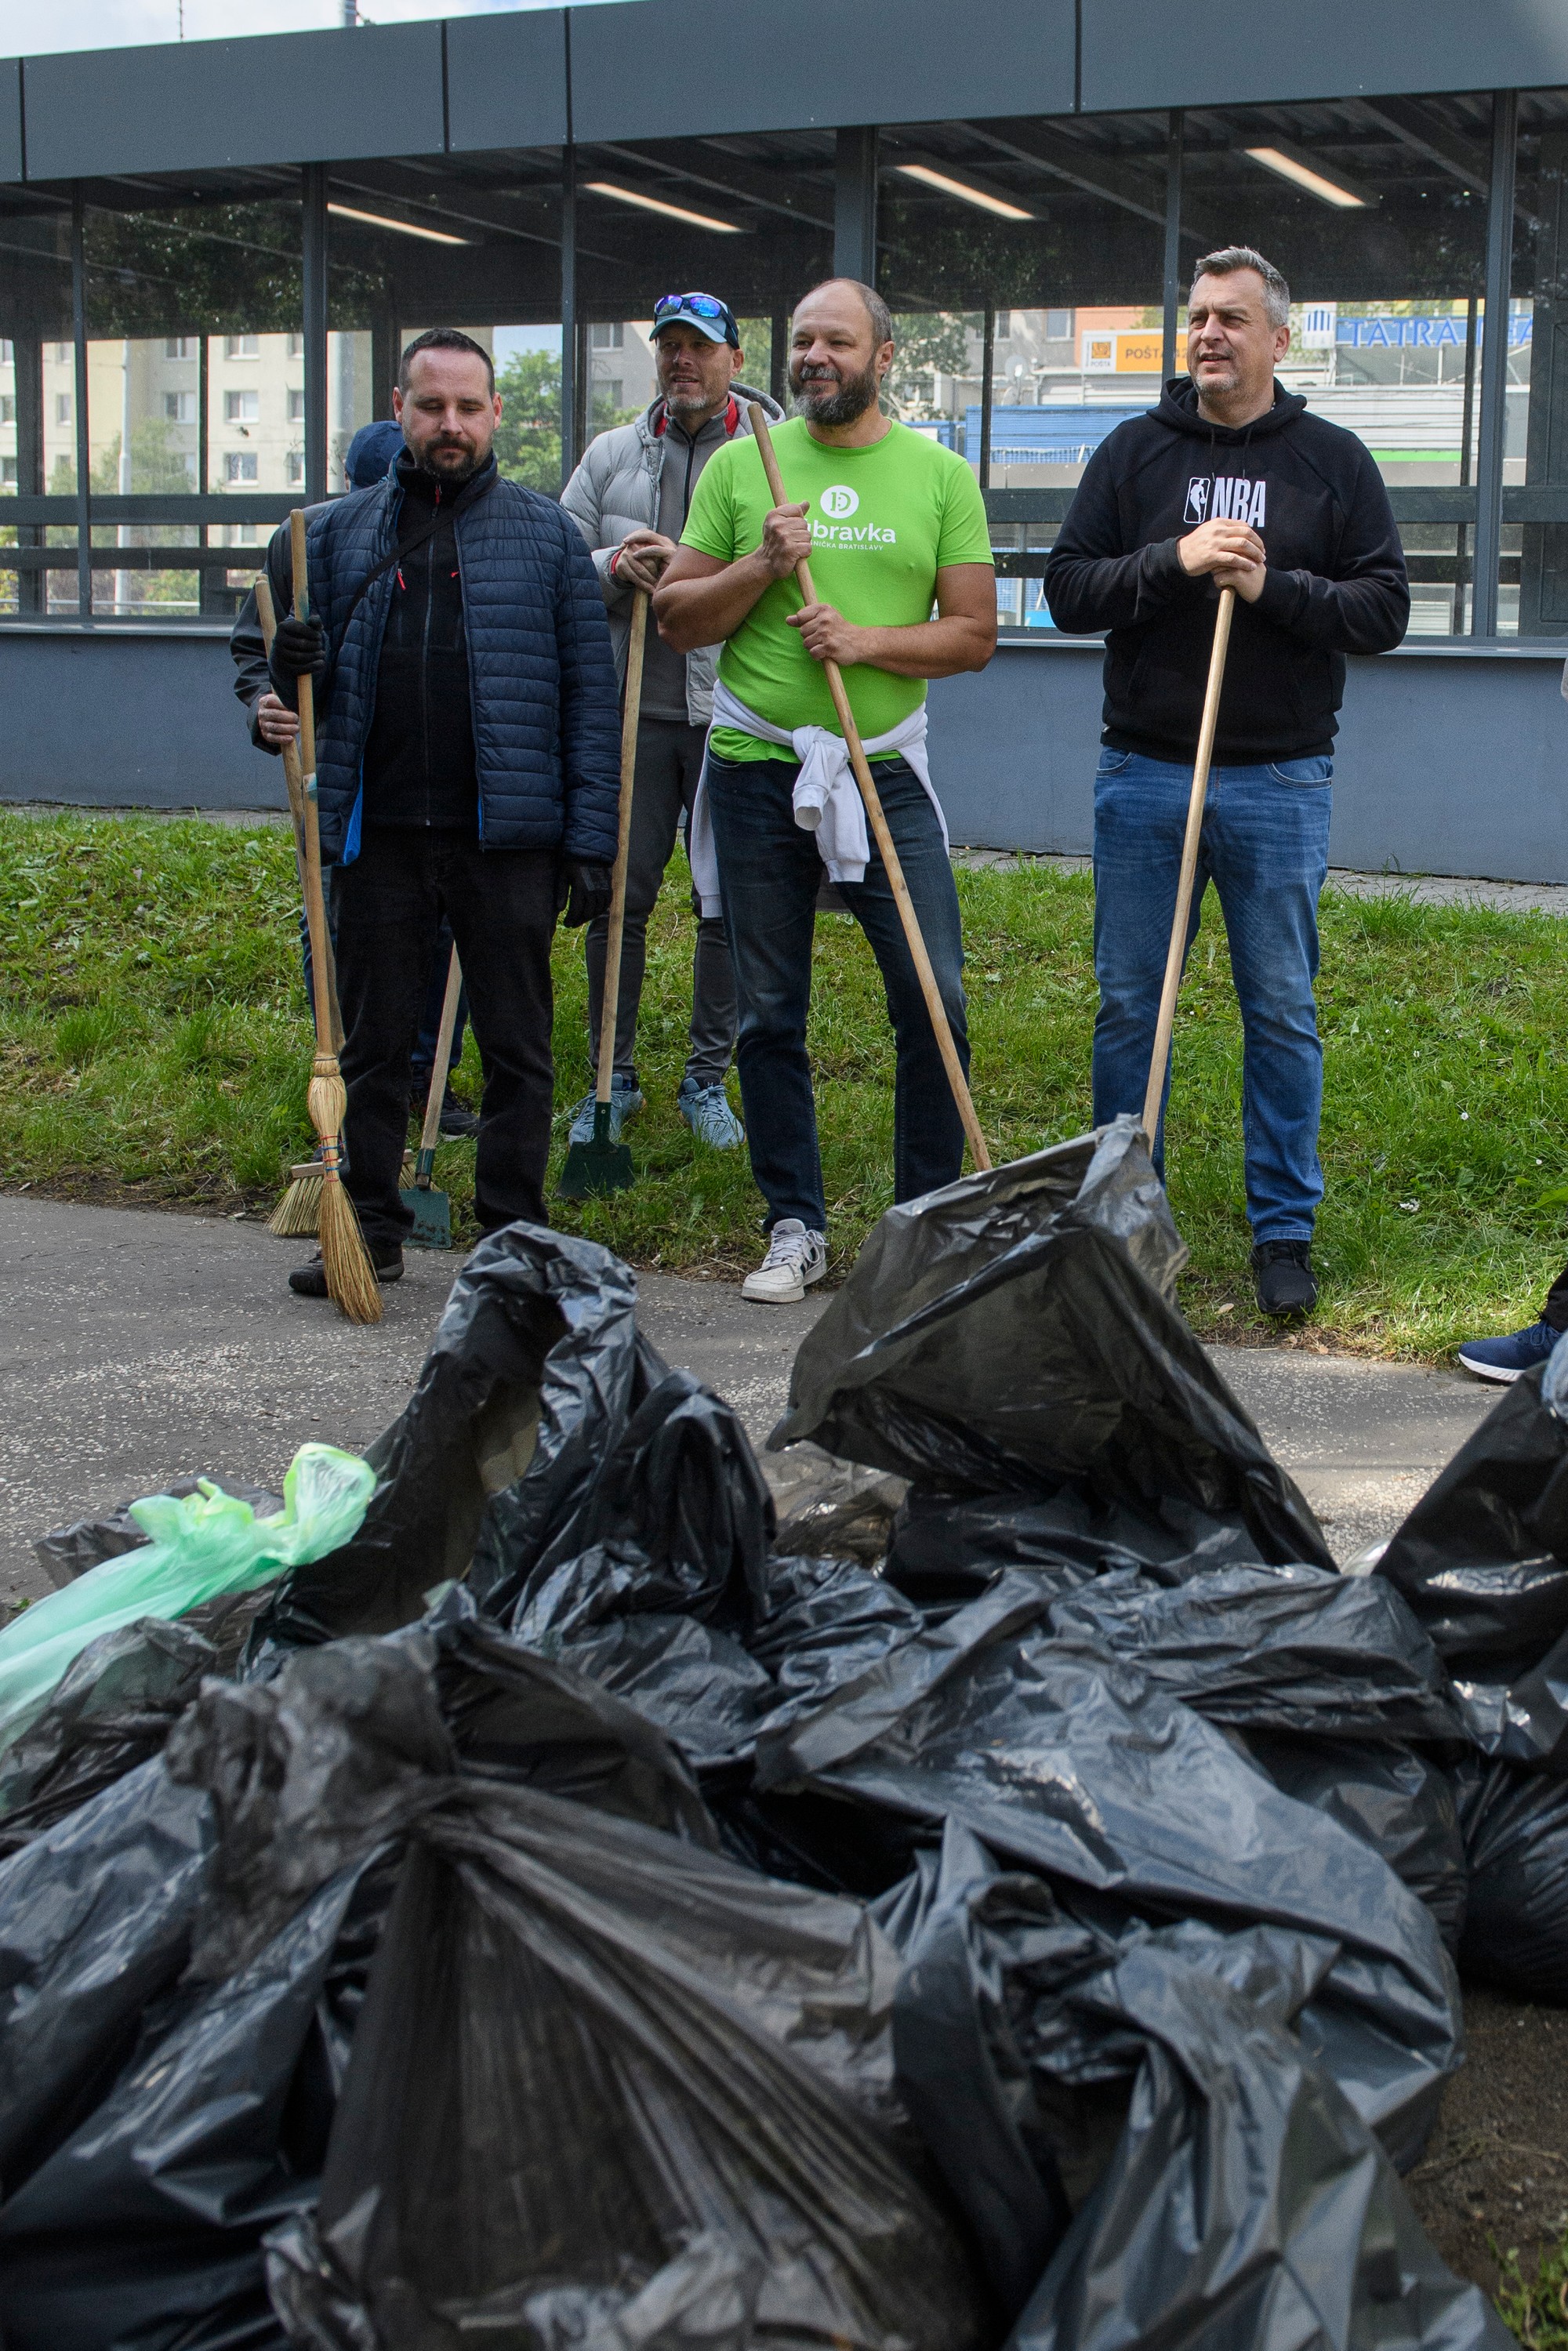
{"x":180,"y":365}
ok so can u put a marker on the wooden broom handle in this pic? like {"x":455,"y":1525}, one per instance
{"x":610,"y":1000}
{"x":296,"y":784}
{"x":315,"y":906}
{"x":1176,"y":953}
{"x":439,"y":1067}
{"x":883,"y":838}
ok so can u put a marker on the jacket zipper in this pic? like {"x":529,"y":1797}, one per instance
{"x":424,"y":653}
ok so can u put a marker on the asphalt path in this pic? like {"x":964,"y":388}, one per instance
{"x":139,"y":1346}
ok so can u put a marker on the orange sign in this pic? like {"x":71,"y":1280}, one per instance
{"x":1120,"y":351}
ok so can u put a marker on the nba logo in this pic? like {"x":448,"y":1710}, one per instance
{"x":1197,"y":500}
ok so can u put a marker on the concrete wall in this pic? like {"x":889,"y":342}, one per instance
{"x":1451,"y":762}
{"x":1448,"y":762}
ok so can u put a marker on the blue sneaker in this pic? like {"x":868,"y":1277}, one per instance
{"x":707,"y":1111}
{"x":1506,"y":1360}
{"x":625,"y":1102}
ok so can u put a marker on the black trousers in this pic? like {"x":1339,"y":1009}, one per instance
{"x":1555,"y":1309}
{"x":502,"y":906}
{"x":669,"y":764}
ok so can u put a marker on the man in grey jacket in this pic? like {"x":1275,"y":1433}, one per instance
{"x":630,"y":498}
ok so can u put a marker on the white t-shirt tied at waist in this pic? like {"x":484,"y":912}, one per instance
{"x":827,"y":797}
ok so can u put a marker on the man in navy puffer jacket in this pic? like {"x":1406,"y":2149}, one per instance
{"x":467,"y":748}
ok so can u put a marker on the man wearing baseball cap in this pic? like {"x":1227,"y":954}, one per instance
{"x":630,"y":498}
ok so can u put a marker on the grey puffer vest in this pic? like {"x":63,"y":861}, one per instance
{"x":615,"y":490}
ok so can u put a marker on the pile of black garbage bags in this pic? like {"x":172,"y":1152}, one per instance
{"x":589,"y":1914}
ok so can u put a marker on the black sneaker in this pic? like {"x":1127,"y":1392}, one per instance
{"x":310,"y":1281}
{"x":457,"y":1124}
{"x":1283,"y":1271}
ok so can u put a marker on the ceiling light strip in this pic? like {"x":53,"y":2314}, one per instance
{"x":657,"y":205}
{"x":962,"y":189}
{"x":402,"y":229}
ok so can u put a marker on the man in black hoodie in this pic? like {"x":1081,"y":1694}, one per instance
{"x":1229,"y":483}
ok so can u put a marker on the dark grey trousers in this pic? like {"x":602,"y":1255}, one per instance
{"x":669,"y":762}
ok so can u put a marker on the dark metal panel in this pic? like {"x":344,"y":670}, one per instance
{"x":1144,"y":53}
{"x":1013,"y":752}
{"x":684,"y":67}
{"x":506,"y":80}
{"x":284,"y":98}
{"x":119,"y":718}
{"x":10,"y":118}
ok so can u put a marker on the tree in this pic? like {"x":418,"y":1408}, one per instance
{"x":928,"y":344}
{"x":528,"y":438}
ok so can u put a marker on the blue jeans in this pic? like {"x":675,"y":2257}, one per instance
{"x":769,"y":873}
{"x":1264,"y":845}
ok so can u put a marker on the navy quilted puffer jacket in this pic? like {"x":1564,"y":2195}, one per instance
{"x":547,"y":728}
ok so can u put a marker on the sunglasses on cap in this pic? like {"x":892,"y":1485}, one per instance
{"x":695,"y":306}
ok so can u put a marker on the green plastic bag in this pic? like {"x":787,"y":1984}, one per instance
{"x":203,"y":1546}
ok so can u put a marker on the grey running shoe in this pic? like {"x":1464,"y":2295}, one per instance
{"x":707,"y":1111}
{"x":625,"y":1102}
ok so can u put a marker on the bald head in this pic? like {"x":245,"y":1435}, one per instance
{"x":841,"y":346}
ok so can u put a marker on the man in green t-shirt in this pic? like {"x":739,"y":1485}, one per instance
{"x":894,"y":525}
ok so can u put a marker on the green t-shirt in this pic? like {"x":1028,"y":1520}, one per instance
{"x":884,"y":520}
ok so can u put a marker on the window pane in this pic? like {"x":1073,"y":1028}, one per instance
{"x":1532,"y":584}
{"x":1057,"y":230}
{"x":190,"y":312}
{"x":1384,"y":247}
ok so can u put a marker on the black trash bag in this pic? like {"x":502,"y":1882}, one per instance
{"x":1395,"y":1799}
{"x":1014,"y":1333}
{"x":1328,"y":1677}
{"x":607,"y":2088}
{"x":114,"y":1708}
{"x":830,"y":1509}
{"x":1482,"y":1559}
{"x":95,"y":1919}
{"x":1134,"y":2102}
{"x":545,"y":1724}
{"x":675,"y":1495}
{"x":947,"y":1548}
{"x":1277,"y":1649}
{"x":1068,"y":1760}
{"x":483,"y":1409}
{"x":1515,"y":1827}
{"x":145,"y":2228}
{"x":66,"y":1552}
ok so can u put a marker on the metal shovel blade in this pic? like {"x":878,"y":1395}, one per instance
{"x":431,"y":1218}
{"x":597,"y":1166}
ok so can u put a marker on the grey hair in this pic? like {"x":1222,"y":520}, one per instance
{"x":877,"y":309}
{"x":1232,"y":258}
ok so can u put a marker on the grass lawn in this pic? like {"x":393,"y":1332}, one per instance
{"x":154,"y":1046}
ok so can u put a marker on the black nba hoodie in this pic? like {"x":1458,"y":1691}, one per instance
{"x":1335,"y":582}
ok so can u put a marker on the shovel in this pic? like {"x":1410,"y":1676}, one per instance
{"x":432,"y":1210}
{"x":602,"y":1166}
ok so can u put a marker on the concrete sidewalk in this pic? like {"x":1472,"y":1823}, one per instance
{"x":141,"y":1345}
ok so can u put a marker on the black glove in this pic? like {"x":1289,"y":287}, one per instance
{"x":585,"y":889}
{"x":298,"y":650}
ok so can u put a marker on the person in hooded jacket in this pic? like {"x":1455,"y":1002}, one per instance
{"x":629,"y":497}
{"x":1230,"y":482}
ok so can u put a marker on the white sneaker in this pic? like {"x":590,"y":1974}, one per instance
{"x":795,"y":1257}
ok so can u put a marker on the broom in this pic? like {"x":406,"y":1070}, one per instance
{"x":350,"y":1278}
{"x":297,"y":1216}
{"x":601,"y":1165}
{"x":1176,"y":954}
{"x":882,"y":837}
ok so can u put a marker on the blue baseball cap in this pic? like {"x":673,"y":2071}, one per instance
{"x":372,"y":451}
{"x":705,"y":312}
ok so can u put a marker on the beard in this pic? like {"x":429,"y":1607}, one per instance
{"x":450,"y":462}
{"x":836,"y":400}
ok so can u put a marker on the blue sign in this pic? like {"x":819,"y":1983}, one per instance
{"x":1422,"y":334}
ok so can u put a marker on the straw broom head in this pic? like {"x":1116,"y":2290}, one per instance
{"x":351,"y":1282}
{"x":297,"y":1216}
